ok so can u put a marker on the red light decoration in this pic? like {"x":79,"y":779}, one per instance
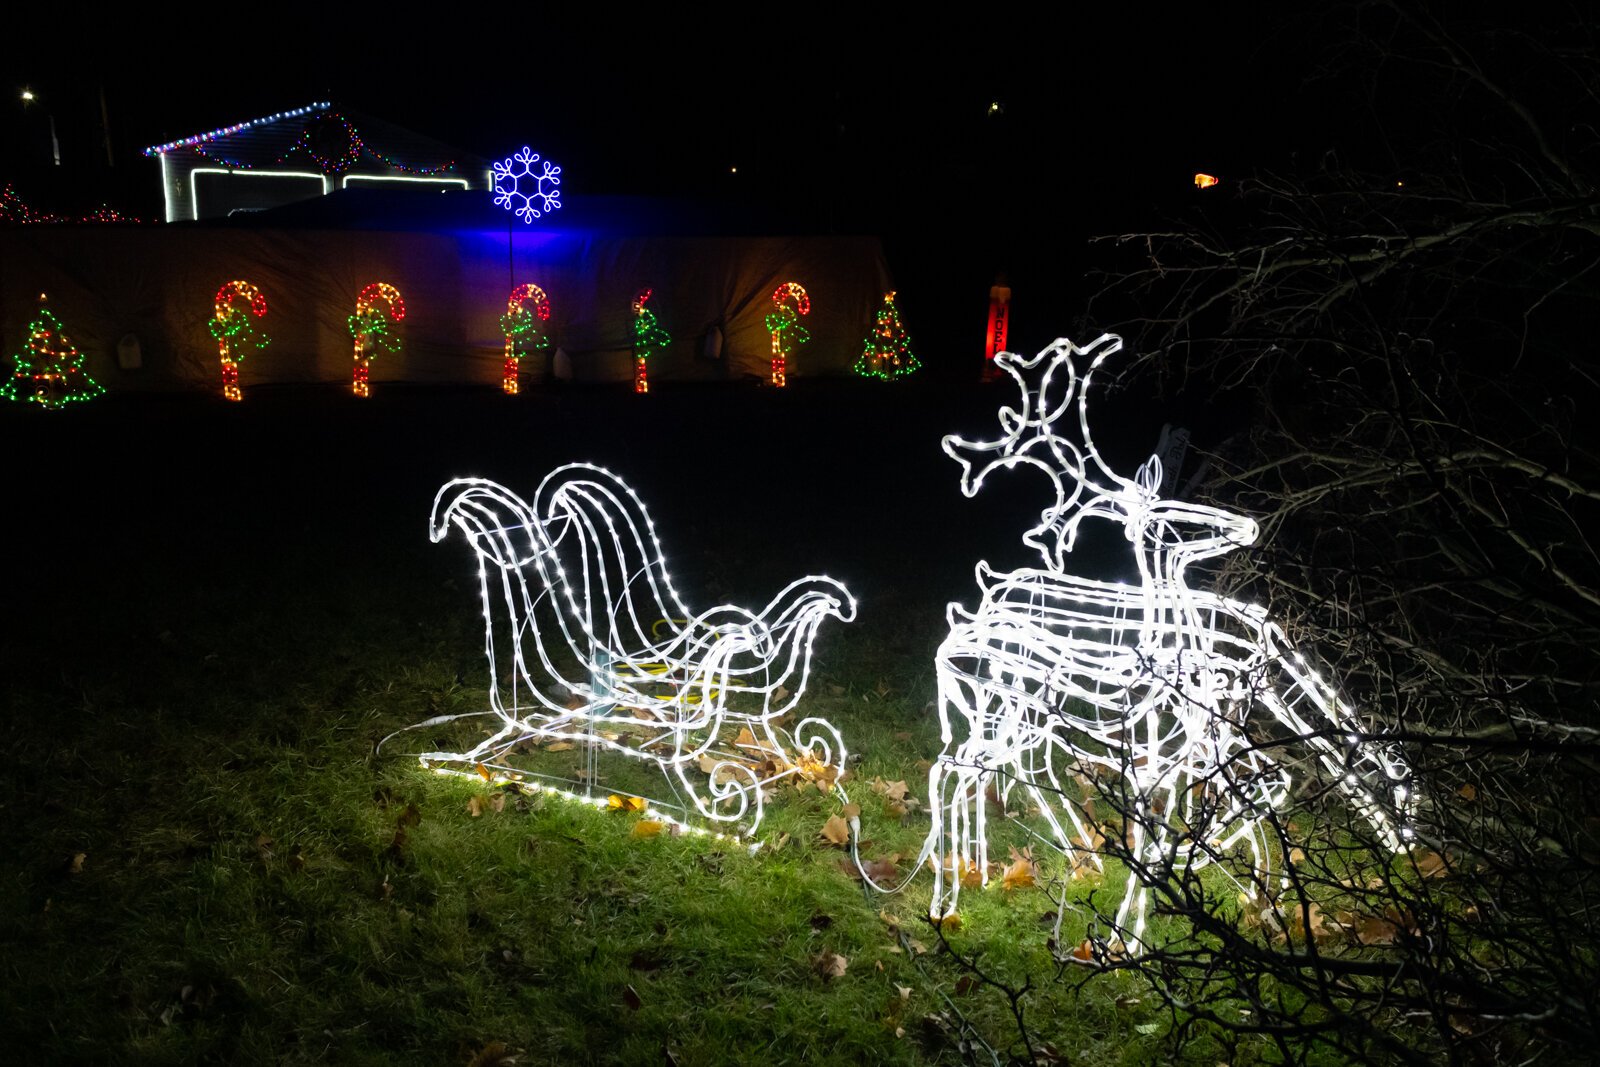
{"x":1205,"y":181}
{"x":378,"y":309}
{"x":999,"y":325}
{"x":784,"y":324}
{"x":527,"y":308}
{"x":236,"y":303}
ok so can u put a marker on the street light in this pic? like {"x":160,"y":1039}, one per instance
{"x":27,"y":96}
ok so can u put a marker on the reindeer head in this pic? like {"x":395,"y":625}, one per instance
{"x":1085,"y":486}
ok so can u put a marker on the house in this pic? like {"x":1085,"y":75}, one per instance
{"x":301,"y":154}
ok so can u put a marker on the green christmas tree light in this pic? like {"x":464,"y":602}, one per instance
{"x":50,"y":372}
{"x":886,"y":353}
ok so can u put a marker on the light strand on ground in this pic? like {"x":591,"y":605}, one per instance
{"x":234,"y":309}
{"x":1167,"y":690}
{"x":526,"y":311}
{"x":526,"y":185}
{"x":648,"y":336}
{"x":784,"y":326}
{"x":886,"y":353}
{"x":49,"y":371}
{"x":588,"y":642}
{"x":375,"y":326}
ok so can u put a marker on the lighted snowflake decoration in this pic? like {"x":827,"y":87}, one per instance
{"x":527,"y":185}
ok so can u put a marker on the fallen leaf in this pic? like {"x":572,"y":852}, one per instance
{"x":648,"y":828}
{"x":850,"y":811}
{"x":1429,"y":864}
{"x":1021,"y":873}
{"x":617,"y":802}
{"x":559,"y":746}
{"x":820,"y":921}
{"x":903,"y":990}
{"x":889,"y":920}
{"x":971,"y":874}
{"x":965,"y":984}
{"x":830,"y":965}
{"x":947,"y":923}
{"x":498,"y":802}
{"x":484,"y":773}
{"x":475,"y":806}
{"x":494,"y":1054}
{"x":264,"y":846}
{"x":75,"y":864}
{"x":1468,"y":792}
{"x":835,"y":831}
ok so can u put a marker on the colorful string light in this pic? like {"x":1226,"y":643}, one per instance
{"x":15,"y":209}
{"x":599,"y":650}
{"x":886,"y":354}
{"x":229,"y":131}
{"x":525,"y":311}
{"x":347,"y":143}
{"x":1160,"y":687}
{"x":50,"y":372}
{"x":527,"y":186}
{"x":379,"y":311}
{"x":784,"y":325}
{"x":236,"y":305}
{"x":647,"y":337}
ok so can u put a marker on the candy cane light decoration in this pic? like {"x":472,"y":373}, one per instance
{"x":234,"y":309}
{"x":784,"y":325}
{"x":527,"y":309}
{"x":375,"y":325}
{"x":1165,"y":689}
{"x":647,"y":337}
{"x":588,"y":642}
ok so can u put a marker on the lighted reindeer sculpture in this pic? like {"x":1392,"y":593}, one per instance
{"x":588,"y":642}
{"x":1164,"y":690}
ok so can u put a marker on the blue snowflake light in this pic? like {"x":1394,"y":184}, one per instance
{"x":527,"y":185}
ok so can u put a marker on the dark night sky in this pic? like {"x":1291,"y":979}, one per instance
{"x":854,"y":112}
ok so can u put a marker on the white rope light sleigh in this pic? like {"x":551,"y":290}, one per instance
{"x":588,"y":642}
{"x":1171,"y":692}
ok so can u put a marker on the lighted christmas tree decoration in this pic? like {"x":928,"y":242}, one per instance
{"x":886,"y":353}
{"x":236,"y":307}
{"x":526,"y":185}
{"x":590,"y":646}
{"x":1176,"y":694}
{"x":647,"y":337}
{"x":784,"y":325}
{"x":49,"y":372}
{"x":375,"y":326}
{"x":526,"y":311}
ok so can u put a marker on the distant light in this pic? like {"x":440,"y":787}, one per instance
{"x":995,"y":108}
{"x":1205,"y":181}
{"x":733,"y":170}
{"x":27,"y":96}
{"x":1399,"y":185}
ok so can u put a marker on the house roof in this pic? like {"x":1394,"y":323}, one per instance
{"x":327,"y":138}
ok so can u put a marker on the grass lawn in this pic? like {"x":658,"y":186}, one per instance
{"x":214,"y":612}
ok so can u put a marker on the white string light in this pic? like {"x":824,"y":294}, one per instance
{"x":588,"y":642}
{"x":1167,"y":690}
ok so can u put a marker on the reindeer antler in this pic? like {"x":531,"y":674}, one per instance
{"x":1049,"y":382}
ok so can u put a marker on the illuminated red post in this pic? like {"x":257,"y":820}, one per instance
{"x":999,"y":322}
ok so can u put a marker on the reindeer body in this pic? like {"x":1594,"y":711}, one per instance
{"x":1067,"y":683}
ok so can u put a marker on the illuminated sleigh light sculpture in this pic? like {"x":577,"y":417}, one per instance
{"x":1166,"y":690}
{"x":587,"y":640}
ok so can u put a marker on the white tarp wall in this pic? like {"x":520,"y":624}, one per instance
{"x":157,"y":282}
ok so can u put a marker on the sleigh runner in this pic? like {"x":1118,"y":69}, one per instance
{"x":589,"y":645}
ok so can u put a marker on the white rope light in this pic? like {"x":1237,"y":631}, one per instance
{"x":588,"y":642}
{"x":1168,"y":690}
{"x":526,"y":185}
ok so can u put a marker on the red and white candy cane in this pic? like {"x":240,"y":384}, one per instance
{"x":516,"y":322}
{"x":234,"y":302}
{"x":378,"y":306}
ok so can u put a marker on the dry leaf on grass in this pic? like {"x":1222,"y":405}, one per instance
{"x":648,"y":828}
{"x":75,"y":864}
{"x":850,"y":811}
{"x":559,"y":746}
{"x":494,"y":1054}
{"x":1021,"y":873}
{"x":476,"y":806}
{"x":830,"y":965}
{"x":484,"y":773}
{"x":835,"y":831}
{"x":617,"y":802}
